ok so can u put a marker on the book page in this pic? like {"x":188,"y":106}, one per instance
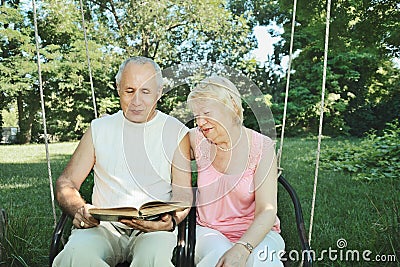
{"x":148,"y":211}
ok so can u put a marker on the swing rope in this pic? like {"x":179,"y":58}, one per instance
{"x":46,"y":142}
{"x":321,"y":117}
{"x":42,"y":97}
{"x":88,"y":59}
{"x":287,"y":86}
{"x":321,"y":107}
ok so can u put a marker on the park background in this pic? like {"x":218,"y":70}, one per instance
{"x":358,"y":189}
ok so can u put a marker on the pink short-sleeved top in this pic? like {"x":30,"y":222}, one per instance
{"x":227,"y":202}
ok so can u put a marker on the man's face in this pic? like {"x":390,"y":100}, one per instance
{"x":139,"y":92}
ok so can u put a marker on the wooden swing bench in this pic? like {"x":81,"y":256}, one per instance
{"x":184,"y":251}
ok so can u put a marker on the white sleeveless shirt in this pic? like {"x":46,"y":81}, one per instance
{"x":133,"y":160}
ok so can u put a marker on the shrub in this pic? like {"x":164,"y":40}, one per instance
{"x":376,"y":156}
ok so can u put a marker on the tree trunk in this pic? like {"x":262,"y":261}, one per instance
{"x":24,"y":122}
{"x":2,"y":105}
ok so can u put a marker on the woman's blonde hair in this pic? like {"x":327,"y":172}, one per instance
{"x":220,"y":89}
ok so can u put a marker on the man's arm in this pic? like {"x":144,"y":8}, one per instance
{"x":69,"y":182}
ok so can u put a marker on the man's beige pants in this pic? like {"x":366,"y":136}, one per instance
{"x":106,"y":245}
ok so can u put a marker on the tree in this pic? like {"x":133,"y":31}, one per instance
{"x":168,"y":31}
{"x":17,"y":67}
{"x":68,"y":99}
{"x":356,"y":62}
{"x":172,"y":32}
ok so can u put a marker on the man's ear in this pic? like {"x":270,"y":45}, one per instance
{"x":119,"y":94}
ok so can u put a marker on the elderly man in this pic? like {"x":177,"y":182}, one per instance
{"x":138,"y":154}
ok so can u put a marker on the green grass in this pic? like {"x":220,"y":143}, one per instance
{"x":365,"y":214}
{"x":25,"y":195}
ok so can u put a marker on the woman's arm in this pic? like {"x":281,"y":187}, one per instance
{"x":266,"y":190}
{"x":182,"y":178}
{"x":265,"y":182}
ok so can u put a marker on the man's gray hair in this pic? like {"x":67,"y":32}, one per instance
{"x":142,"y":61}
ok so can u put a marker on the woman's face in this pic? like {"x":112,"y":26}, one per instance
{"x":213,"y":118}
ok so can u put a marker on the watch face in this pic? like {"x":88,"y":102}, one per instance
{"x":249,"y":247}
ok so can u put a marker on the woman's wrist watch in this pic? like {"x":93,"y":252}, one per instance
{"x":248,"y":246}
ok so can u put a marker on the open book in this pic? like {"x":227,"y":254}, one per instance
{"x":152,"y":211}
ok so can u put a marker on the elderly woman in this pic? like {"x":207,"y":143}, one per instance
{"x":237,"y":182}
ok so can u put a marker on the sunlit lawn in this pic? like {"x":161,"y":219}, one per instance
{"x":365,"y":214}
{"x":25,"y":195}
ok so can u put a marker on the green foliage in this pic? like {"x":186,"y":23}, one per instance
{"x":168,"y":31}
{"x":362,"y":82}
{"x":10,"y":116}
{"x":361,"y":78}
{"x":375,"y":157}
{"x":17,"y":82}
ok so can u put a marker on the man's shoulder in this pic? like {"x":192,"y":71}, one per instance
{"x":172,"y":120}
{"x":106,"y":123}
{"x":107,"y":118}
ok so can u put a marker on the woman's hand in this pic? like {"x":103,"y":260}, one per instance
{"x":235,"y":257}
{"x":83,"y":219}
{"x":164,"y":224}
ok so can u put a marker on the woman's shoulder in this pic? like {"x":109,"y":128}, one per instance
{"x":196,"y":137}
{"x":259,"y":138}
{"x":260,"y":144}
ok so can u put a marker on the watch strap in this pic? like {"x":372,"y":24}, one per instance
{"x":247,"y":245}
